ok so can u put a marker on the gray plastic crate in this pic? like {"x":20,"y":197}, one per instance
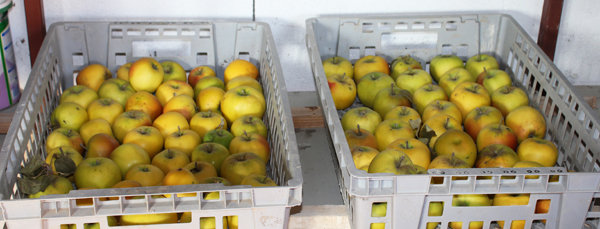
{"x":570,"y":124}
{"x":70,"y":46}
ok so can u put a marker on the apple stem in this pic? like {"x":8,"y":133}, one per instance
{"x":407,"y":146}
{"x":399,"y":162}
{"x":221,"y":124}
{"x":336,"y":60}
{"x":392,"y":88}
{"x":359,"y":133}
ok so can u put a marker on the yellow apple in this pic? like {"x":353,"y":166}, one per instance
{"x":370,"y":84}
{"x":237,"y":166}
{"x":212,"y":153}
{"x":470,"y":200}
{"x":452,"y":78}
{"x":172,"y":88}
{"x":390,"y":98}
{"x":81,"y":95}
{"x":427,"y":94}
{"x":404,"y":113}
{"x":173,"y":71}
{"x":104,"y":108}
{"x":179,"y":176}
{"x":480,"y":117}
{"x":494,"y":79}
{"x":392,"y":161}
{"x":496,"y":134}
{"x":170,"y":122}
{"x":510,"y":200}
{"x":147,"y":137}
{"x":256,"y":180}
{"x":145,"y":174}
{"x":413,"y":79}
{"x":439,"y":124}
{"x":206,"y":82}
{"x":389,"y":131}
{"x":146,"y":102}
{"x":199,"y":72}
{"x":448,"y":162}
{"x":183,"y":140}
{"x":468,"y":96}
{"x":496,"y":156}
{"x":343,"y":90}
{"x":69,"y":115}
{"x":241,"y":101}
{"x":201,"y":170}
{"x":205,"y":121}
{"x":364,"y":117}
{"x":64,"y":137}
{"x":417,"y":151}
{"x":251,"y":143}
{"x":93,"y":127}
{"x":441,"y":107}
{"x":148,"y":219}
{"x":240,"y":67}
{"x":362,"y":156}
{"x":128,"y":155}
{"x":183,"y":104}
{"x":209,"y":99}
{"x":526,"y":122}
{"x":478,"y":63}
{"x":248,"y":124}
{"x":129,"y":120}
{"x":440,"y":64}
{"x":338,"y":65}
{"x":459,"y":143}
{"x":146,"y":74}
{"x":402,"y":64}
{"x":368,"y":64}
{"x":92,"y":76}
{"x":97,"y":172}
{"x":244,"y":81}
{"x":508,"y":98}
{"x":378,"y":210}
{"x":538,"y":150}
{"x":123,"y":72}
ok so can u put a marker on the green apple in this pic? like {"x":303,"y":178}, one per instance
{"x":79,"y":94}
{"x":210,"y":152}
{"x":392,"y":161}
{"x":454,"y":77}
{"x":378,"y":210}
{"x":494,"y":79}
{"x":389,"y":98}
{"x":69,"y":115}
{"x":479,"y":63}
{"x":97,"y":172}
{"x":219,"y":136}
{"x":370,"y":84}
{"x":248,"y":124}
{"x":413,"y":79}
{"x":389,"y":131}
{"x":442,"y":63}
{"x":117,"y":89}
{"x":173,"y":71}
{"x":365,"y":117}
{"x":427,"y":94}
{"x":206,"y":82}
{"x":127,"y":155}
{"x":338,"y":65}
{"x":402,"y":64}
{"x":237,"y":166}
{"x":508,"y":98}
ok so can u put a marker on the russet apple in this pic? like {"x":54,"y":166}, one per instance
{"x":64,"y":137}
{"x":245,"y":81}
{"x":480,"y":117}
{"x":441,"y":107}
{"x":237,"y":166}
{"x":508,"y":98}
{"x":93,"y":127}
{"x":526,"y":122}
{"x":248,"y":124}
{"x":81,"y":95}
{"x":343,"y":90}
{"x":440,"y":64}
{"x":496,"y":156}
{"x":212,"y":153}
{"x":256,"y":180}
{"x":240,"y":67}
{"x":129,"y":120}
{"x":97,"y":172}
{"x":338,"y":65}
{"x":368,"y":64}
{"x":145,"y":174}
{"x":147,"y":137}
{"x":448,"y":162}
{"x":173,"y":71}
{"x":93,"y":75}
{"x":209,"y":99}
{"x":362,"y":156}
{"x":127,"y":155}
{"x":365,"y":117}
{"x":117,"y":89}
{"x":413,"y":79}
{"x":402,"y":64}
{"x":416,"y":150}
{"x":242,"y":101}
{"x":199,"y":72}
{"x":496,"y":134}
{"x":172,"y":88}
{"x":220,"y":136}
{"x":370,"y":84}
{"x":479,"y":63}
{"x":123,"y":71}
{"x":69,"y":115}
{"x":183,"y":140}
{"x":205,"y":121}
{"x":468,"y":96}
{"x":452,"y":78}
{"x":252,"y":143}
{"x":391,"y":161}
{"x":389,"y":131}
{"x":427,"y":94}
{"x":359,"y":137}
{"x":390,"y":98}
{"x":538,"y":150}
{"x":201,"y":170}
{"x":170,"y":159}
{"x":101,"y":145}
{"x":458,"y":143}
{"x":146,"y":102}
{"x":494,"y":79}
{"x":183,"y":104}
{"x":170,"y":122}
{"x":146,"y":74}
{"x":104,"y":108}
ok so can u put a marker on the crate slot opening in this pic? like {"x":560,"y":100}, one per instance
{"x":78,"y":59}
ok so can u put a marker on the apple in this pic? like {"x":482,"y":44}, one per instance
{"x":245,"y":81}
{"x":237,"y":166}
{"x":338,"y":65}
{"x":459,"y":143}
{"x":242,"y":101}
{"x":404,"y":113}
{"x":93,"y":127}
{"x":170,"y":122}
{"x":129,"y":120}
{"x":128,"y":155}
{"x":240,"y":67}
{"x":378,"y":209}
{"x":468,"y":96}
{"x":205,"y":121}
{"x":440,"y":64}
{"x":69,"y":115}
{"x":173,"y":71}
{"x":56,"y":159}
{"x":479,"y":63}
{"x":92,"y":76}
{"x":508,"y":98}
{"x":209,"y":99}
{"x":147,"y":137}
{"x":101,"y":145}
{"x":252,"y":143}
{"x":248,"y":124}
{"x":359,"y":137}
{"x":494,"y":79}
{"x":146,"y":74}
{"x":362,"y":156}
{"x":417,"y":151}
{"x":206,"y":82}
{"x":179,"y":176}
{"x":256,"y":180}
{"x":201,"y":170}
{"x":439,"y":124}
{"x":496,"y":156}
{"x":435,"y":209}
{"x":402,"y":64}
{"x":496,"y":134}
{"x":104,"y":108}
{"x":389,"y":98}
{"x":183,"y":104}
{"x":389,"y":131}
{"x":538,"y":150}
{"x":370,"y":84}
{"x":452,"y":78}
{"x":413,"y":79}
{"x":469,"y":200}
{"x":343,"y":90}
{"x":369,"y":64}
{"x":199,"y":72}
{"x":510,"y":200}
{"x":391,"y":161}
{"x":97,"y":172}
{"x":117,"y":89}
{"x":145,"y":174}
{"x":58,"y":185}
{"x":170,"y":159}
{"x":148,"y":219}
{"x":441,"y":107}
{"x":81,"y":95}
{"x":427,"y":94}
{"x":214,"y":180}
{"x":146,"y":102}
{"x":172,"y":88}
{"x":210,"y":152}
{"x":365,"y":117}
{"x":64,"y":137}
{"x":480,"y":117}
{"x":526,"y":122}
{"x":448,"y":162}
{"x":220,"y":136}
{"x":183,"y":140}
{"x":123,"y":72}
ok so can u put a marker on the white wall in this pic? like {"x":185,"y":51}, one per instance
{"x":286,"y":17}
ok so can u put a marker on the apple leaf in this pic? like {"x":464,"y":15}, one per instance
{"x":415,"y":124}
{"x":426,"y":132}
{"x":36,"y":175}
{"x":406,"y":94}
{"x":35,"y":167}
{"x":64,"y":165}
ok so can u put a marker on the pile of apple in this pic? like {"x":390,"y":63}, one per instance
{"x":458,"y":115}
{"x":155,"y":125}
